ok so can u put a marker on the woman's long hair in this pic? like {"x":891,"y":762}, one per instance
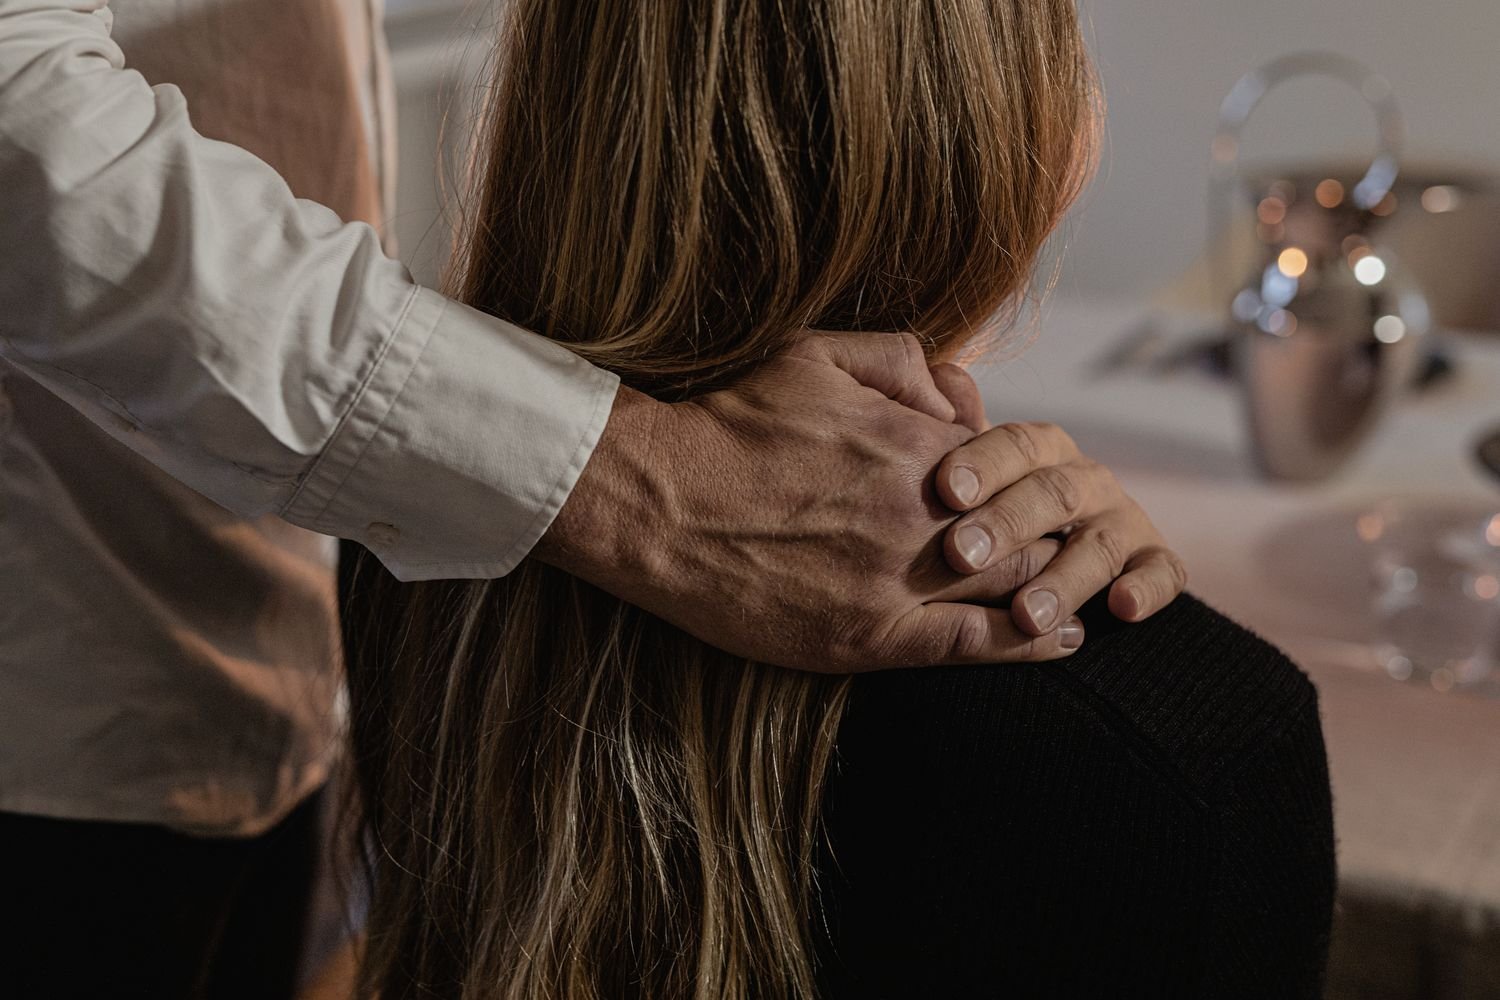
{"x":567,"y":797}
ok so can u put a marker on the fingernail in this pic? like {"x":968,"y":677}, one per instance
{"x":974,"y":545}
{"x":964,"y":484}
{"x":1070,"y":636}
{"x":1133,"y":597}
{"x":1042,"y":606}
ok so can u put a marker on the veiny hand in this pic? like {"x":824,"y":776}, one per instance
{"x":792,"y":518}
{"x":1020,"y":481}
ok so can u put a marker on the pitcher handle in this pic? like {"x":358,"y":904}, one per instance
{"x":1252,"y":88}
{"x":1246,"y":96}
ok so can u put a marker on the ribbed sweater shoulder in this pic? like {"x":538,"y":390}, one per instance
{"x":1149,"y":814}
{"x":1197,"y":690}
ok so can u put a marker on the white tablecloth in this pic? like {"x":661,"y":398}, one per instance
{"x":1416,"y":773}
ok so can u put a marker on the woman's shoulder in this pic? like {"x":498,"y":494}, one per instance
{"x":1188,"y":688}
{"x":1061,"y":828}
{"x":1200,"y":688}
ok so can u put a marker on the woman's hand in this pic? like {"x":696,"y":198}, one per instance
{"x":1039,"y":483}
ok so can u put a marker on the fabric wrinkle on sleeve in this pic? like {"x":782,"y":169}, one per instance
{"x":410,"y":457}
{"x":254,"y":346}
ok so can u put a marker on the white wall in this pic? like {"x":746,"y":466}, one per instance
{"x":1166,"y":64}
{"x":439,"y":50}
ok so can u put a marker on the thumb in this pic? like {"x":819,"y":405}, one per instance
{"x":889,"y":363}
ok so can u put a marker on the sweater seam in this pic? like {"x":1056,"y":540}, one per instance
{"x":1146,"y":747}
{"x":1143,"y":748}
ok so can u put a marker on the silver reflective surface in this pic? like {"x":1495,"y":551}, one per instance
{"x":1328,"y":324}
{"x":1435,"y":592}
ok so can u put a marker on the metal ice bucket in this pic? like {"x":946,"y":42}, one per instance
{"x":1328,"y":324}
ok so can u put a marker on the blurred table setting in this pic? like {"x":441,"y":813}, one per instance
{"x":1415,"y":765}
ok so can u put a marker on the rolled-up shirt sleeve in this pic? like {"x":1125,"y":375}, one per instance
{"x":253,"y":345}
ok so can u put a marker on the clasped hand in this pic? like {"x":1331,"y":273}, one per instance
{"x":846,"y":508}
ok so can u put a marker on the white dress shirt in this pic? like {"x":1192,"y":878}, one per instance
{"x":167,"y":654}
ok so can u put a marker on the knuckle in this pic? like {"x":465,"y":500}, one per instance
{"x":1060,"y":487}
{"x":903,"y":363}
{"x":970,"y":636}
{"x":904,"y":641}
{"x":1011,"y":572}
{"x":1111,"y":548}
{"x":1008,"y":523}
{"x":1178,"y":569}
{"x":1038,"y":558}
{"x":814,"y":345}
{"x":1023,"y":438}
{"x":901,"y":353}
{"x":1036,"y":650}
{"x":1025,"y":566}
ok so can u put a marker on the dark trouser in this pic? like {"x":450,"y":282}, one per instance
{"x":112,"y":910}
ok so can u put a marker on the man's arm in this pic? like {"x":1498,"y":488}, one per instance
{"x":792,"y":518}
{"x":172,"y":289}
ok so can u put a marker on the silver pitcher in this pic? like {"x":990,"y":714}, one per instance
{"x":1328,"y":324}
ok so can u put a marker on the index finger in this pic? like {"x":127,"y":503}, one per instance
{"x":1000,"y":457}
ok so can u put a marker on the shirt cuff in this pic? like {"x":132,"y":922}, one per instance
{"x":460,"y":447}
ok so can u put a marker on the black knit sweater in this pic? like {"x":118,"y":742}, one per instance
{"x":1150,"y":818}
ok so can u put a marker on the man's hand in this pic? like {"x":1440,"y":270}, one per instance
{"x":792,"y":518}
{"x":1020,"y":481}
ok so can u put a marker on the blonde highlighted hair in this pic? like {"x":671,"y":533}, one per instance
{"x":568,"y":798}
